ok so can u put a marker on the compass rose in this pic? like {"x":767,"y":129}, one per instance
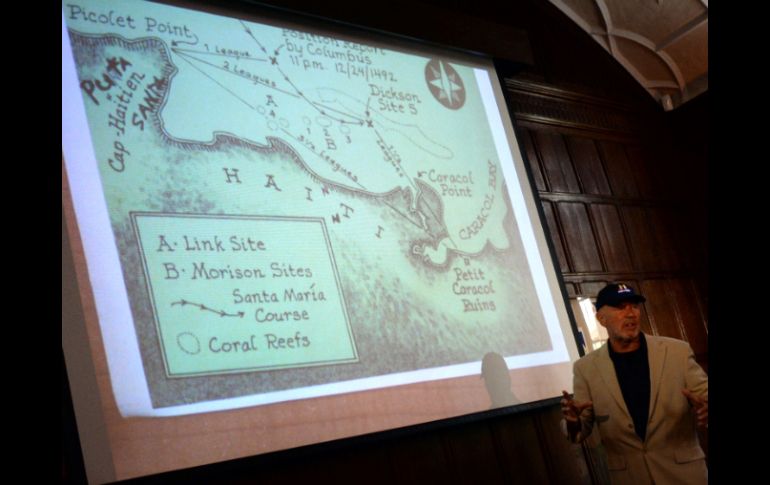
{"x":445,"y":84}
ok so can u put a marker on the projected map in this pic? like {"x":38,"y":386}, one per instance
{"x":293,"y":209}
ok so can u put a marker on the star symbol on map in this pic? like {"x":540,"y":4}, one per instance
{"x":445,"y":84}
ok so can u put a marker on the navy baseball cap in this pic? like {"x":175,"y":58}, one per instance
{"x":615,"y":293}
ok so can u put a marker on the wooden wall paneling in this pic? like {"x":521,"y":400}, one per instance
{"x":329,"y":466}
{"x":619,"y":172}
{"x":312,"y":469}
{"x":419,"y":459}
{"x":662,"y":220}
{"x":572,"y":291}
{"x":611,"y":238}
{"x":360,"y":462}
{"x":693,"y":320}
{"x":556,"y":162}
{"x":566,"y":462}
{"x":690,"y":243}
{"x":579,"y":237}
{"x":639,"y":237}
{"x":471,"y":454}
{"x":700,"y":287}
{"x":516,"y":445}
{"x":644,"y":172}
{"x":597,"y":135}
{"x":323,"y":467}
{"x":588,"y":165}
{"x":532,"y":159}
{"x":661,"y":309}
{"x":556,"y":238}
{"x":702,"y":290}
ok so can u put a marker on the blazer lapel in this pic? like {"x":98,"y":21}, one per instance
{"x":606,"y":370}
{"x":656,"y":354}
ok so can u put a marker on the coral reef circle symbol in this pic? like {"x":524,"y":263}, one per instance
{"x":189,"y":343}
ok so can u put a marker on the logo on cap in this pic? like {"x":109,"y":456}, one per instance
{"x":614,"y":294}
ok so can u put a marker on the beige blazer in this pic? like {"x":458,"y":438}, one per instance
{"x":670,"y":453}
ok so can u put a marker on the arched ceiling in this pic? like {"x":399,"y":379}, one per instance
{"x":662,"y":43}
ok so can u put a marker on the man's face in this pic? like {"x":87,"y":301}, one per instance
{"x":621,"y":322}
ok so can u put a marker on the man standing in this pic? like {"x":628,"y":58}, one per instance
{"x":645,"y":393}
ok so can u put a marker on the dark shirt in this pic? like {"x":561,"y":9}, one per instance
{"x":633,"y":372}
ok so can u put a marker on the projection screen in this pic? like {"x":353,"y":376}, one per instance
{"x":286,"y":235}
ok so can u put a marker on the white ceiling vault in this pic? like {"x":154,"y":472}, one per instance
{"x":662,"y":43}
